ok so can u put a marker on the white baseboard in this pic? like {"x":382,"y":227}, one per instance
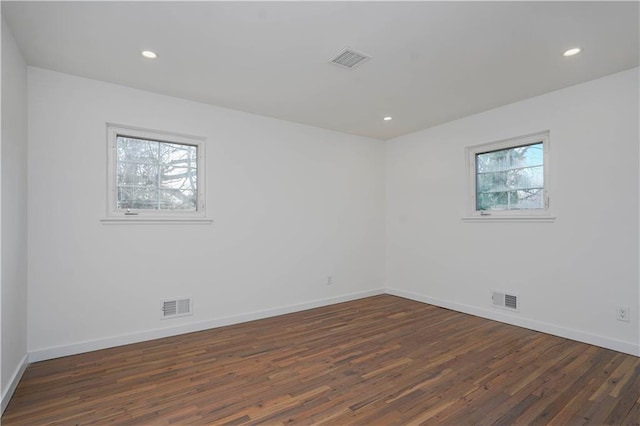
{"x":580,"y":336}
{"x":13,"y":383}
{"x":110,"y":342}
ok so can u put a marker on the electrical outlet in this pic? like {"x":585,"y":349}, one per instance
{"x":622,"y":313}
{"x":329,"y":280}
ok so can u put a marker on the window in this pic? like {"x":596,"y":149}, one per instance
{"x":155,"y":175}
{"x":509,"y":179}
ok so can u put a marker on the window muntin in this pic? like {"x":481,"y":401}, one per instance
{"x":509,"y":178}
{"x":155,"y":174}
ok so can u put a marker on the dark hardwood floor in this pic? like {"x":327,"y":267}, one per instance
{"x":381,"y":360}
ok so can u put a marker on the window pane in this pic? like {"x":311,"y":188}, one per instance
{"x":526,"y":156}
{"x":493,"y":201}
{"x":492,"y":181}
{"x":137,"y":198}
{"x":125,"y":198}
{"x":179,"y":174}
{"x":146,"y":196}
{"x":137,"y":174}
{"x":493,"y":161}
{"x":129,"y":149}
{"x":171,"y":152}
{"x":510,"y":179}
{"x":527,"y":199}
{"x":530,"y":177}
{"x":156,"y":175}
{"x":176,"y":199}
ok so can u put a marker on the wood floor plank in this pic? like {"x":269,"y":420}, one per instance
{"x":382,"y":360}
{"x":633,"y":417}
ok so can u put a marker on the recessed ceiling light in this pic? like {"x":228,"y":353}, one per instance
{"x":571,"y":52}
{"x":388,"y":118}
{"x":149,"y":54}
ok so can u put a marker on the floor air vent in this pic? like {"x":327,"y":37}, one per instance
{"x":349,"y":58}
{"x":176,"y":308}
{"x":505,"y":301}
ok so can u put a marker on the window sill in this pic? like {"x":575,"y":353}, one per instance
{"x":130,"y":220}
{"x":520,"y":219}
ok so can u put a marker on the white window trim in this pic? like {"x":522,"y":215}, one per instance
{"x":493,"y":216}
{"x":115,"y":216}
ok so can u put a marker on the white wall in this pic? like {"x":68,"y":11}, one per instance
{"x":291,"y":205}
{"x":13,"y":224}
{"x":570,"y":274}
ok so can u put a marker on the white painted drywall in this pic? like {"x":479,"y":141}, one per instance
{"x":570,"y":274}
{"x":13,"y":223}
{"x":291,"y":205}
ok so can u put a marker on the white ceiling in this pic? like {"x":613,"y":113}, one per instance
{"x":432,"y":61}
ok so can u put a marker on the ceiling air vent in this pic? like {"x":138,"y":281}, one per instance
{"x":176,"y":308}
{"x":349,"y":58}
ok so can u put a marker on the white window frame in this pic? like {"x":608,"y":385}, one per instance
{"x":115,"y":215}
{"x":525,"y":215}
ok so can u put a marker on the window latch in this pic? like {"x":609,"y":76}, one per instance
{"x":130,"y":213}
{"x":484,"y":213}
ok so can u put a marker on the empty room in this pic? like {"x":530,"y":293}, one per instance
{"x":256,"y":212}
